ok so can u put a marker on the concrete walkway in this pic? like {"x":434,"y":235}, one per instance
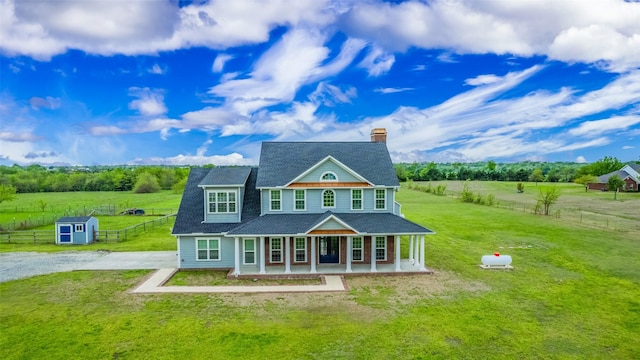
{"x":154,"y":283}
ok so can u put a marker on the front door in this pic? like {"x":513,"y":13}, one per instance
{"x":329,"y":249}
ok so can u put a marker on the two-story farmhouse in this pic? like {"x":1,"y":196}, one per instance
{"x":309,"y":207}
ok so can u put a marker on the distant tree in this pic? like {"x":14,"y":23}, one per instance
{"x":547,"y":197}
{"x":585,"y":180}
{"x":603,"y":166}
{"x":401,"y":172}
{"x":178,"y":187}
{"x":520,"y":187}
{"x":536,"y":176}
{"x":614,"y":184}
{"x":146,"y":183}
{"x":42,"y":205}
{"x":7,"y":193}
{"x":491,"y":165}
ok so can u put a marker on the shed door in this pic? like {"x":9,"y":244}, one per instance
{"x":64,"y":231}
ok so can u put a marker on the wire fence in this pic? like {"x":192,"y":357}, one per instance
{"x":590,"y":218}
{"x":101,"y":236}
{"x":32,"y":221}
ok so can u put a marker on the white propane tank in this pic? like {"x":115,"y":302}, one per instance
{"x":496,"y":260}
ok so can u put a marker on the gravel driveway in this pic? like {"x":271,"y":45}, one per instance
{"x":18,"y":265}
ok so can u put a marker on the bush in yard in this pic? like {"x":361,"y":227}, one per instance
{"x":147,"y":183}
{"x":520,"y":187}
{"x":466,"y":195}
{"x":546,"y":197}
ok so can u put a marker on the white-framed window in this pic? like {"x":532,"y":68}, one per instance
{"x":357,"y":253}
{"x":79,"y":227}
{"x":222,"y":202}
{"x":381,"y":247}
{"x":356,"y":199}
{"x":328,"y":199}
{"x":299,"y":200}
{"x":249,"y":251}
{"x":300,"y":247}
{"x":208,"y":249}
{"x":329,"y":176}
{"x":275,"y":200}
{"x":381,"y":199}
{"x":275,"y":250}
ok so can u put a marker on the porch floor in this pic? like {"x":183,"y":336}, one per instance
{"x":407,"y":267}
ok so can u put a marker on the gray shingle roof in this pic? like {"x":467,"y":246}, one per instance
{"x":281,"y":162}
{"x":74,"y":219}
{"x":620,"y":173}
{"x":364,"y":223}
{"x":191,"y":211}
{"x":226,"y":176}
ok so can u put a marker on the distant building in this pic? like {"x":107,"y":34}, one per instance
{"x":630,"y":174}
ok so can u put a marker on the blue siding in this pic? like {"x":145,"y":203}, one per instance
{"x":187,"y":255}
{"x":342,"y":201}
{"x":341,"y":173}
{"x":226,"y":217}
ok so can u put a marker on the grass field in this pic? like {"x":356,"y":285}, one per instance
{"x":574,"y":294}
{"x":27,"y":208}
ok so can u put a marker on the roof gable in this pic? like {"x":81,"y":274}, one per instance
{"x":283,"y":162}
{"x":324,"y":161}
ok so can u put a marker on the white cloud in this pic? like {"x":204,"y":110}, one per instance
{"x":597,"y":127}
{"x":146,"y":27}
{"x":218,"y":63}
{"x":18,"y":136}
{"x":377,"y":62}
{"x":482,"y":80}
{"x":45,"y":103}
{"x":571,"y":27}
{"x":330,"y":95}
{"x":218,"y":160}
{"x":150,"y":102}
{"x":297,"y":59}
{"x":581,"y":159}
{"x":156,"y":69}
{"x":391,"y":90}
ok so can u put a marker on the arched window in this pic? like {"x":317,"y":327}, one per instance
{"x":329,"y":176}
{"x":328,"y":199}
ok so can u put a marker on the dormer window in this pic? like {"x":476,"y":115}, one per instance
{"x":222,"y":202}
{"x":329,"y":176}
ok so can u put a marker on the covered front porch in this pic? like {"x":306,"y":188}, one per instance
{"x":327,"y":253}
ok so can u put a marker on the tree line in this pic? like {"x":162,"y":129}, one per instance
{"x":37,"y":178}
{"x":520,"y":171}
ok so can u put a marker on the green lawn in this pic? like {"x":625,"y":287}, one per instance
{"x":574,"y":294}
{"x":27,"y":208}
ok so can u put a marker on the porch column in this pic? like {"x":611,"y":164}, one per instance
{"x":373,"y":254}
{"x":287,"y":255}
{"x":422,"y":268}
{"x":236,"y":258}
{"x":416,"y":253}
{"x":313,"y":255}
{"x":349,"y":252}
{"x":411,"y":248}
{"x":262,"y":256}
{"x":396,"y":249}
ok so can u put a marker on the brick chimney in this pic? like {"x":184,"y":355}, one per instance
{"x":379,"y":135}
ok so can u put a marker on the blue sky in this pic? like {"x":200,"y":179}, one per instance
{"x":198,"y":82}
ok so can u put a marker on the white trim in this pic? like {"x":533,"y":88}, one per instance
{"x":332,"y":218}
{"x":375,"y":238}
{"x":59,"y":240}
{"x":208,"y":249}
{"x":361,"y":199}
{"x":295,"y":249}
{"x":271,"y":250}
{"x":244,"y":251}
{"x":271,"y":200}
{"x":322,"y":199}
{"x":304,"y":199}
{"x":375,"y":199}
